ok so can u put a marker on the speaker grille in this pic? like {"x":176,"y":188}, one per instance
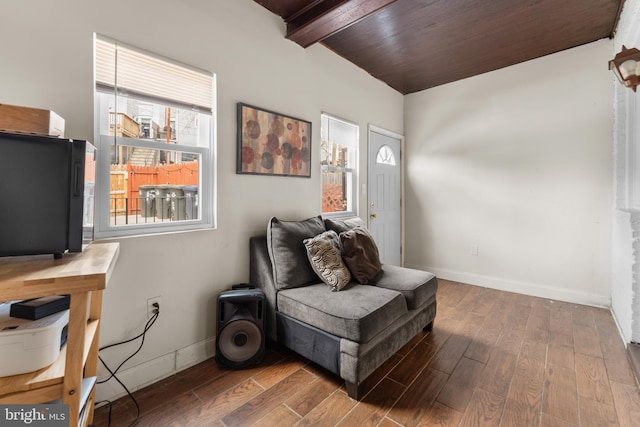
{"x":240,"y":341}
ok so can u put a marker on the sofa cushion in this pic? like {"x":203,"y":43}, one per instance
{"x":360,"y":253}
{"x":418,"y":287}
{"x":325,"y":258}
{"x":356,"y":313}
{"x":288,"y":254}
{"x":340,"y":225}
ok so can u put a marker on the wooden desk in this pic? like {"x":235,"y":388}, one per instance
{"x":82,"y":275}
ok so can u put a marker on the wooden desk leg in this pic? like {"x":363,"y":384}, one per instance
{"x":71,"y":391}
{"x":91,"y":367}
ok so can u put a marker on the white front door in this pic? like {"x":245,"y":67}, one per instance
{"x":384,"y":195}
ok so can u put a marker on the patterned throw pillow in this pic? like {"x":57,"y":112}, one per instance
{"x":323,"y":251}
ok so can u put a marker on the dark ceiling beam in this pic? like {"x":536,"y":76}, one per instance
{"x":328,"y":17}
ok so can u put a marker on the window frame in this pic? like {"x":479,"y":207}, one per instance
{"x":353,"y":190}
{"x":206,"y":166}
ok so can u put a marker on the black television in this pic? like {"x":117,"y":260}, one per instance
{"x":46,"y":194}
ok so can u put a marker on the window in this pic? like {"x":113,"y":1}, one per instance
{"x":338,"y":156}
{"x":385,"y":156}
{"x":155,"y":135}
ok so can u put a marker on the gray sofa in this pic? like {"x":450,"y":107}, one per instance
{"x":351,"y":332}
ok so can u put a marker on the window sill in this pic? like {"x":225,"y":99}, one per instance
{"x":155,"y":231}
{"x":348,"y":214}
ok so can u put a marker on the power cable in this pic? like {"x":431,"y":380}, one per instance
{"x":148,"y":325}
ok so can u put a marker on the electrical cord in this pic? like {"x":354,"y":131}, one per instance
{"x":150,"y":323}
{"x":131,"y":396}
{"x":147,"y":326}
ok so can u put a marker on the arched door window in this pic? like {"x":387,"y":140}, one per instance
{"x":385,"y":156}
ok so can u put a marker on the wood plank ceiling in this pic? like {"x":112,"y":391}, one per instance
{"x":418,"y":44}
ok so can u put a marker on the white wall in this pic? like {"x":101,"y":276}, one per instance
{"x":625,"y":244}
{"x":518,"y":162}
{"x":46,"y":62}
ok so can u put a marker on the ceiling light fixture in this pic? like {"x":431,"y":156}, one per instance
{"x":626,"y":66}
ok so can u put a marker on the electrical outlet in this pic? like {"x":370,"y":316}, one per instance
{"x":474,"y":250}
{"x":150,"y":305}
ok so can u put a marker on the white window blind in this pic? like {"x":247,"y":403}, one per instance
{"x":118,"y":67}
{"x":153,"y":114}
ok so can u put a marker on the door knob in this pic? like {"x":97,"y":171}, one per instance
{"x":373,"y":215}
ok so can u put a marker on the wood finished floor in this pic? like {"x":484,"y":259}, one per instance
{"x":493,"y":359}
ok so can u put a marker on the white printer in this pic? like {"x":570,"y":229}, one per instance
{"x":29,"y":345}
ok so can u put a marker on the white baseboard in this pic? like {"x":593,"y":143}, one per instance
{"x":154,"y":370}
{"x":526,"y":288}
{"x":625,"y":339}
{"x":195,"y":353}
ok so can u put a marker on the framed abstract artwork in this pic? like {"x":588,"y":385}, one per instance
{"x":271,"y":143}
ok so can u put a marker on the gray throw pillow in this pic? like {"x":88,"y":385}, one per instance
{"x":346,"y":224}
{"x":291,"y":267}
{"x":324,"y":255}
{"x":360,"y":253}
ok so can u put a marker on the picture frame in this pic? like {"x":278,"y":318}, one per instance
{"x":271,"y":143}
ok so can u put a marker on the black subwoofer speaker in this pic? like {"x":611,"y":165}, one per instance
{"x":240,"y":328}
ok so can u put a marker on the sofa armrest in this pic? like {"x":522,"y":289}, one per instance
{"x":261,"y":275}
